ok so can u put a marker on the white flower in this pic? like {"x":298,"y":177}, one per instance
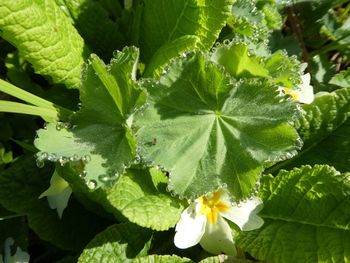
{"x":304,"y":92}
{"x":58,"y":193}
{"x":204,"y":222}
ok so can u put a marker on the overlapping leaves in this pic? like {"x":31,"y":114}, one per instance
{"x":306,"y":214}
{"x":209,"y":130}
{"x":45,"y":37}
{"x":100,"y":136}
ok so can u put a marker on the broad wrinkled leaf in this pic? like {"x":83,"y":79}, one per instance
{"x":209,"y":130}
{"x":45,"y":37}
{"x":99,"y":135}
{"x":324,"y":129}
{"x":342,"y":79}
{"x":118,"y":243}
{"x":77,"y":225}
{"x":165,"y":21}
{"x":307,"y":217}
{"x":161,"y":259}
{"x":139,"y":200}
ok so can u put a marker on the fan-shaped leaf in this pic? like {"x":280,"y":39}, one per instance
{"x":204,"y":127}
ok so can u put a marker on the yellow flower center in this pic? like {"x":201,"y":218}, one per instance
{"x":211,"y":206}
{"x":291,"y":93}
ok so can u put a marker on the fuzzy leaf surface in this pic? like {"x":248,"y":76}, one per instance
{"x":118,"y":243}
{"x":324,"y":128}
{"x":161,"y":259}
{"x":45,"y":37}
{"x":138,"y":199}
{"x":100,"y":132}
{"x":165,"y":21}
{"x":203,"y":127}
{"x":307,"y":217}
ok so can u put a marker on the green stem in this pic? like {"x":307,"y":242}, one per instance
{"x":11,"y":216}
{"x":28,"y":97}
{"x":16,"y":107}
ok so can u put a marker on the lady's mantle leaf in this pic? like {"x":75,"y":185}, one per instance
{"x":100,"y":135}
{"x":209,"y":130}
{"x":165,"y":21}
{"x":118,"y":243}
{"x":45,"y":37}
{"x":139,"y":200}
{"x":307,"y":217}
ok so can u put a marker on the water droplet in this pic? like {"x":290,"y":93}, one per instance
{"x":74,"y":158}
{"x":52,"y":157}
{"x":44,"y":156}
{"x":86,"y":158}
{"x":59,"y":125}
{"x":68,"y":125}
{"x":83,"y":174}
{"x":92,"y":184}
{"x":104,"y":178}
{"x":239,"y":205}
{"x":63,"y":160}
{"x":40,"y":163}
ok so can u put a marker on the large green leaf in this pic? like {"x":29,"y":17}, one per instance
{"x":324,"y":129}
{"x":161,"y":259}
{"x":46,"y":38}
{"x":342,"y":79}
{"x":99,"y":31}
{"x":203,"y":126}
{"x":307,"y":217}
{"x":99,"y":134}
{"x":118,"y":243}
{"x":164,"y":21}
{"x":77,"y":225}
{"x":138,"y":199}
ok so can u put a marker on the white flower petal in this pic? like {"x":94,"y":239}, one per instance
{"x":218,"y":238}
{"x":60,"y":201}
{"x":190,"y":228}
{"x":244,"y":215}
{"x":306,"y":93}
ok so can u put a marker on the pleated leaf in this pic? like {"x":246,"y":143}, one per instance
{"x":202,"y":126}
{"x":99,"y":135}
{"x":307,"y":217}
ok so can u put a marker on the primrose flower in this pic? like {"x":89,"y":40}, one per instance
{"x":58,"y":193}
{"x":204,"y":222}
{"x":305,"y":92}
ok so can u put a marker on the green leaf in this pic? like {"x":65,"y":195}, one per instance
{"x":139,"y":200}
{"x":238,"y":61}
{"x":203,"y":126}
{"x":100,"y":136}
{"x":161,"y":259}
{"x":342,"y":79}
{"x":165,"y":21}
{"x":49,"y":42}
{"x":77,"y":225}
{"x":284,"y":70}
{"x":168,"y":51}
{"x":92,"y":21}
{"x":118,"y":243}
{"x":307,"y":217}
{"x":323,"y":127}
